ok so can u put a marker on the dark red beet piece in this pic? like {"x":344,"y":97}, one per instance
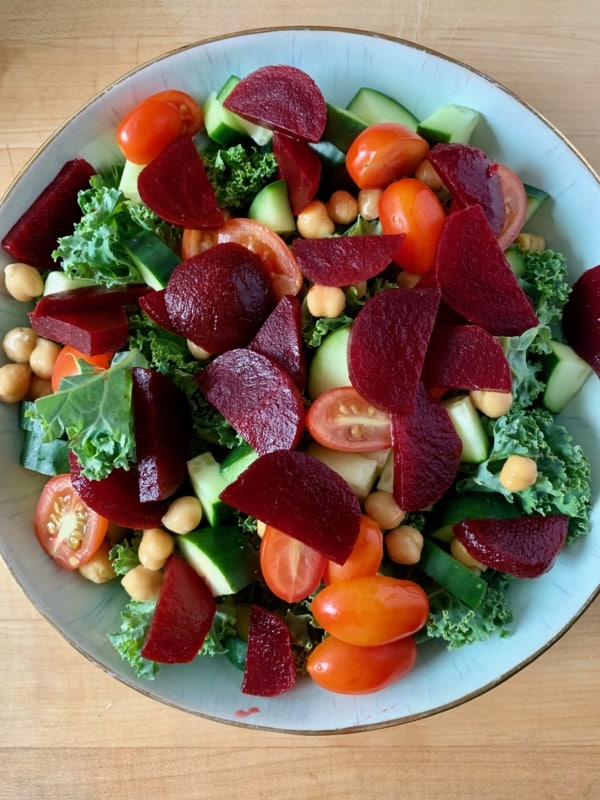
{"x":102,"y":331}
{"x":153,"y":304}
{"x":302,"y":497}
{"x":219,"y":298}
{"x":471,"y":178}
{"x":283,"y":98}
{"x":389,"y":337}
{"x":427,"y":452}
{"x":345,"y":260}
{"x":116,"y":497}
{"x":581,"y":318}
{"x":280,"y":338}
{"x":270,"y":668}
{"x":257,"y":396}
{"x":466,"y":357}
{"x":300,"y":166}
{"x":476,"y":279}
{"x":162,"y":430}
{"x":90,"y":298}
{"x":33,"y":237}
{"x":176,"y":187}
{"x":184,"y":613}
{"x":523,"y":546}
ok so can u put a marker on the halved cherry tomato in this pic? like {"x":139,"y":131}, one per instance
{"x":66,"y":364}
{"x":384,"y":152}
{"x":276,"y":256}
{"x":348,"y":669}
{"x":371,"y":610}
{"x":515,"y":203}
{"x":292,"y":570}
{"x":410,"y":207}
{"x":147,"y":130}
{"x":342,"y":420}
{"x":189,"y":110}
{"x":366,"y":555}
{"x":67,"y":529}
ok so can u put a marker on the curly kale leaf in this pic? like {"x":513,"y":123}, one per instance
{"x":128,"y":642}
{"x":238,"y":173}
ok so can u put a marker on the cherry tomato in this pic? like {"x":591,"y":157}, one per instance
{"x":515,"y":203}
{"x":410,"y":207}
{"x":366,"y":555}
{"x":148,"y":129}
{"x":342,"y":420}
{"x":67,"y":529}
{"x":278,"y":259}
{"x":348,"y":669}
{"x":371,"y":610}
{"x":384,"y":152}
{"x":291,"y":569}
{"x":66,"y":364}
{"x":190,"y":112}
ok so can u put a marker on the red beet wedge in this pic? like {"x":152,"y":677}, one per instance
{"x":283,"y":98}
{"x":33,"y":237}
{"x":153,"y":304}
{"x":270,"y":668}
{"x":299,"y":165}
{"x":103,"y":331}
{"x":581,"y":318}
{"x":184,"y":612}
{"x":302,"y":497}
{"x":523,"y":546}
{"x":280,"y":338}
{"x":257,"y":396}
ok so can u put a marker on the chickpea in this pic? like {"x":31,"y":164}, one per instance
{"x":99,"y":568}
{"x":38,"y":387}
{"x":459,"y":552}
{"x":492,"y":404}
{"x":14,"y":382}
{"x":155,"y":547}
{"x":381,"y":507}
{"x":342,"y":207}
{"x":360,"y":289}
{"x":406,"y":280}
{"x":183,"y":515}
{"x":404,"y":544}
{"x":313,"y":222}
{"x":141,"y":583}
{"x":23,"y":282}
{"x":368,"y":203}
{"x":199,"y":353}
{"x":426,"y":173}
{"x":518,"y":473}
{"x":43,"y":357}
{"x":261,"y":527}
{"x":325,"y":301}
{"x":18,"y":344}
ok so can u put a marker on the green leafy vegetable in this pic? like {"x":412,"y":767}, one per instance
{"x":238,"y":173}
{"x":124,"y":555}
{"x":135,"y":621}
{"x":222,"y":627}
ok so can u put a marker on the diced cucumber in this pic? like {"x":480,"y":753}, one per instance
{"x":359,"y":472}
{"x":58,"y":281}
{"x":374,"y":106}
{"x":468,"y":424}
{"x":208,"y":483}
{"x":271,"y":206}
{"x":450,"y":123}
{"x":451,"y":574}
{"x":223,"y":556}
{"x":236,"y":461}
{"x":342,"y":127}
{"x":535,"y":198}
{"x":475,"y":505}
{"x":329,"y":365}
{"x":223,"y":126}
{"x":386,"y":479}
{"x":515,"y":259}
{"x":567,"y":373}
{"x":236,"y":650}
{"x":129,"y":181}
{"x":154,"y":259}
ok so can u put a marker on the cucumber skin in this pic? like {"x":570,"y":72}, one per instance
{"x":451,"y":575}
{"x":222,"y":556}
{"x":328,"y":368}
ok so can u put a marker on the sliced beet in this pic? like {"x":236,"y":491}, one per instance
{"x":280,"y":338}
{"x":162,"y":430}
{"x":301,"y":496}
{"x":466,"y":357}
{"x":90,"y":298}
{"x":282,"y":98}
{"x":175,"y":186}
{"x":270,"y":667}
{"x":476,"y":279}
{"x":153,"y":304}
{"x":33,"y":237}
{"x":219,"y":298}
{"x":183,"y":615}
{"x":300,"y":166}
{"x":345,"y":260}
{"x":427,"y":452}
{"x":581,"y":318}
{"x":257,"y":397}
{"x":389,"y":337}
{"x":523,"y":546}
{"x":102,"y":331}
{"x":471,"y":178}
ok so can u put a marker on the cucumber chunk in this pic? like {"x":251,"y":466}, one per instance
{"x":469,"y":427}
{"x":342,"y":127}
{"x":451,"y":574}
{"x":224,"y":123}
{"x":129,"y":181}
{"x":475,"y":505}
{"x":535,"y":198}
{"x":58,"y":281}
{"x":567,"y":372}
{"x":374,"y":106}
{"x":223,"y":556}
{"x":450,"y":123}
{"x":236,"y":461}
{"x":208,"y":483}
{"x":153,"y":258}
{"x":359,"y":472}
{"x":328,"y":368}
{"x":515,"y":259}
{"x":271,"y":206}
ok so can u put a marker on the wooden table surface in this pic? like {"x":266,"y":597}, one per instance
{"x":68,"y":731}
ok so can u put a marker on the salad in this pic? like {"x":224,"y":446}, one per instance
{"x":270,"y":394}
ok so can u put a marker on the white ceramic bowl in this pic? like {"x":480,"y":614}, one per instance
{"x":340,"y":61}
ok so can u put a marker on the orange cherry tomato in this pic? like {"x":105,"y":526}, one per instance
{"x":147,"y":130}
{"x":67,"y":529}
{"x":366,"y":555}
{"x":371,"y":610}
{"x":66,"y":364}
{"x":515,"y":203}
{"x":342,"y":420}
{"x":348,"y":669}
{"x":189,"y":110}
{"x":410,"y":207}
{"x":384,"y":152}
{"x":291,"y":569}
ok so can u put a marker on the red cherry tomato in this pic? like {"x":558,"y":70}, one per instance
{"x":67,"y":529}
{"x":348,"y":669}
{"x":371,"y":610}
{"x":292,"y":570}
{"x":366,"y":555}
{"x":147,"y":130}
{"x":410,"y":207}
{"x":515,"y":203}
{"x":342,"y":420}
{"x":190,"y":112}
{"x":384,"y":152}
{"x":66,"y":364}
